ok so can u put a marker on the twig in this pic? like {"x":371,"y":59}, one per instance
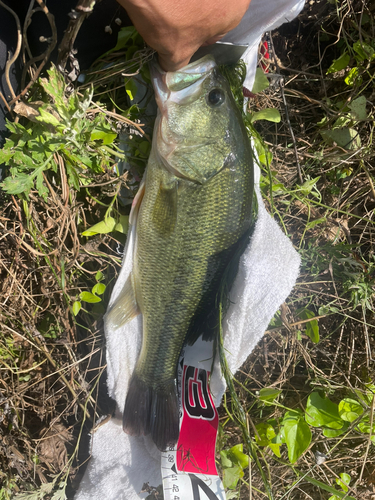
{"x":17,"y":51}
{"x":369,"y":440}
{"x":78,"y":15}
{"x":47,"y":53}
{"x":281,"y":84}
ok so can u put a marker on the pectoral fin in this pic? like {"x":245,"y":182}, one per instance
{"x":125,"y":307}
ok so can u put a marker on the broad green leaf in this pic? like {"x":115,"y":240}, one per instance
{"x":339,"y":64}
{"x":267,"y":437}
{"x":231,"y":475}
{"x":322,"y":412}
{"x":104,"y":135}
{"x":347,"y":138}
{"x":225,"y":461}
{"x":297,"y":434}
{"x":124,"y":35}
{"x":312,"y":327}
{"x":262,"y":438}
{"x":353,"y":77}
{"x":76,"y":307}
{"x":131,"y":88}
{"x":349,"y":409}
{"x":98,"y":289}
{"x":358,"y":108}
{"x":344,"y":481}
{"x":238,"y":457}
{"x":105,"y":226}
{"x":47,"y":117}
{"x":89,"y":297}
{"x":364,"y":426}
{"x":275,"y":447}
{"x":268,"y":394}
{"x":330,"y":433}
{"x":269,"y":114}
{"x":261,"y":82}
{"x":334,"y":497}
{"x":122,"y":225}
{"x":99,"y":276}
{"x":17,"y":185}
{"x":364,"y":51}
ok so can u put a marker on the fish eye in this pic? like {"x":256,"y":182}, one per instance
{"x":215,"y":97}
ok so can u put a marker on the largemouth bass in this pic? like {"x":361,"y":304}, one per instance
{"x":193,"y":215}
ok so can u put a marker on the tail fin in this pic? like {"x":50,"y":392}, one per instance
{"x":152,"y":410}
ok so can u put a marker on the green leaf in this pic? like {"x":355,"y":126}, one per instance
{"x":261,"y":81}
{"x":131,"y":89}
{"x":344,"y":481}
{"x":358,"y":108}
{"x":364,"y":51}
{"x":122,"y":225}
{"x":145,"y":148}
{"x":297,"y":434}
{"x":268,"y":394}
{"x":225,"y":461}
{"x":238,"y":457}
{"x":315,"y":222}
{"x":322,"y":412}
{"x":339,"y":64}
{"x":47,"y":117}
{"x":368,"y":395}
{"x":98,"y":289}
{"x":229,"y":495}
{"x":99,"y":276}
{"x":231,"y":475}
{"x":105,"y":226}
{"x":125,"y":34}
{"x":309,"y":185}
{"x":269,"y":114}
{"x":17,"y":185}
{"x":349,"y":409}
{"x":330,"y":433}
{"x":353,"y":77}
{"x":312,"y":327}
{"x":107,"y":137}
{"x":262,"y":438}
{"x":89,"y":297}
{"x":326,"y":487}
{"x":275,"y":447}
{"x":76,"y":307}
{"x":347,"y":138}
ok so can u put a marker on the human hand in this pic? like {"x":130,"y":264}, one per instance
{"x":177,"y":28}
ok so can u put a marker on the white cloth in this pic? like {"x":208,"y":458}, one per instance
{"x":121,"y":464}
{"x":262,"y":16}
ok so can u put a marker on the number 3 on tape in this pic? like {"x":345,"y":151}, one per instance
{"x":189,"y":469}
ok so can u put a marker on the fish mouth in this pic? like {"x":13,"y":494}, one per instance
{"x":182,"y":86}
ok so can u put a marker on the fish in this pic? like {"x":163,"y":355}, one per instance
{"x":193,"y":217}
